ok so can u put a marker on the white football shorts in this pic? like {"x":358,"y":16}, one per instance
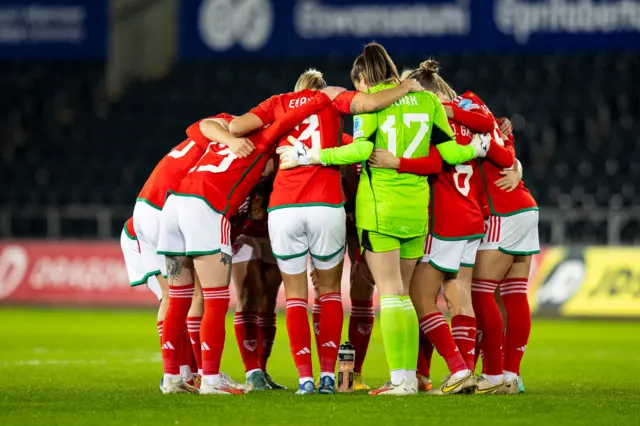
{"x":134,"y":261}
{"x":516,"y":235}
{"x":450,"y":255}
{"x":316,"y":230}
{"x":146,"y":223}
{"x":189,"y":227}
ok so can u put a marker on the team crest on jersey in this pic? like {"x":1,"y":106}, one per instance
{"x":365,"y":329}
{"x":250,"y":345}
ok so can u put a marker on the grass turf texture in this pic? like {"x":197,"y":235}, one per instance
{"x":79,"y":367}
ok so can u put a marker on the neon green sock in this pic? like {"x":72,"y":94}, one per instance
{"x":412,"y":333}
{"x":394,"y":335}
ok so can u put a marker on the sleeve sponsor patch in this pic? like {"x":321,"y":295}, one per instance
{"x":357,"y":123}
{"x":467,"y":105}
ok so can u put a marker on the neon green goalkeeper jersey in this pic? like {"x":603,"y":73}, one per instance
{"x":388,"y":202}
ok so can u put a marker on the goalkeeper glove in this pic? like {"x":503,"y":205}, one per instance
{"x":298,"y":154}
{"x":481,"y":143}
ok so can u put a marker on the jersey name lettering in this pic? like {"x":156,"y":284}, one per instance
{"x":295,"y":103}
{"x":406,"y":100}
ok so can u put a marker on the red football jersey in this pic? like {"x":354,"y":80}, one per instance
{"x":175,"y":165}
{"x":500,"y":203}
{"x":224,"y":180}
{"x":456,"y":196}
{"x":309,"y":185}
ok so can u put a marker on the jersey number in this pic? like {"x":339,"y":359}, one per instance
{"x":179,"y":153}
{"x":466,"y":171}
{"x":224,"y":164}
{"x":311,"y":131}
{"x":388,"y":127}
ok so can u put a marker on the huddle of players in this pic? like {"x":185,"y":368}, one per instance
{"x":306,"y":215}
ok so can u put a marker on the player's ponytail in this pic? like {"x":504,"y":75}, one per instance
{"x":310,"y":79}
{"x":375,"y":65}
{"x":427,"y":75}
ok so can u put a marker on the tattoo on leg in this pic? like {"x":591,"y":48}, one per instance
{"x":174,"y":267}
{"x":226,"y":260}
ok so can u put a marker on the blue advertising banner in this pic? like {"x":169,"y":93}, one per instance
{"x":320,"y":27}
{"x":53,"y":29}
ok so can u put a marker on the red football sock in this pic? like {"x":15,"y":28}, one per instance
{"x":360,"y":326}
{"x":266,"y":337}
{"x":435,"y":328}
{"x":489,"y":322}
{"x":330,"y":330}
{"x":160,"y":332}
{"x":173,"y":327}
{"x":193,"y":327}
{"x":299,"y":336}
{"x":463,"y":329}
{"x":514,"y":296}
{"x":315,"y":319}
{"x":212,"y":331}
{"x":246,"y":327}
{"x":188,"y":357}
{"x":424,"y":356}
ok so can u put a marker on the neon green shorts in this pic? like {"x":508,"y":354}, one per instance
{"x":410,"y":248}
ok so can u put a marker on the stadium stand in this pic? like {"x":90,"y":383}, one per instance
{"x":578,"y":125}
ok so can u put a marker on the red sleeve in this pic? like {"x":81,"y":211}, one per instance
{"x":266,"y":110}
{"x":346,"y":139}
{"x":502,"y":156}
{"x":194,"y":133}
{"x":292,"y":118}
{"x":423,"y":166}
{"x":478,"y":120}
{"x":342,"y":102}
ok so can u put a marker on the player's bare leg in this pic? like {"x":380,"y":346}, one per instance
{"x":518,"y":328}
{"x":361,"y":317}
{"x":490,"y":269}
{"x":297,"y":317}
{"x":463,"y":321}
{"x":331,"y":319}
{"x":181,"y":290}
{"x":214,"y":271}
{"x":386,"y":271}
{"x":425,"y":287}
{"x":247,"y":277}
{"x":271,"y":280}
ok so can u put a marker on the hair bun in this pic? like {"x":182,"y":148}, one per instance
{"x":430,"y":65}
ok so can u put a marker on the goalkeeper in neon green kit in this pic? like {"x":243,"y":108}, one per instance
{"x":391,"y":207}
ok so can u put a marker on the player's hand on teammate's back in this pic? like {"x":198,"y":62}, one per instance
{"x":241,"y":147}
{"x":413,"y":85}
{"x":383,"y":159}
{"x":298,"y":154}
{"x":506,"y":127}
{"x":481,"y":143}
{"x":333,"y":91}
{"x":509,"y":180}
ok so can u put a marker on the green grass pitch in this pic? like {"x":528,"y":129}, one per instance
{"x":82,"y":367}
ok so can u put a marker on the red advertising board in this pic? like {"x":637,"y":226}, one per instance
{"x":67,"y":273}
{"x":89,"y":273}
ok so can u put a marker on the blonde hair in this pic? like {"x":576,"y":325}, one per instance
{"x":427,"y":75}
{"x":310,"y":79}
{"x":375,"y":65}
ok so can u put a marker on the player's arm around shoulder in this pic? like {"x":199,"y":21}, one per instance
{"x":444,"y":139}
{"x":370,"y":102}
{"x":216,"y":129}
